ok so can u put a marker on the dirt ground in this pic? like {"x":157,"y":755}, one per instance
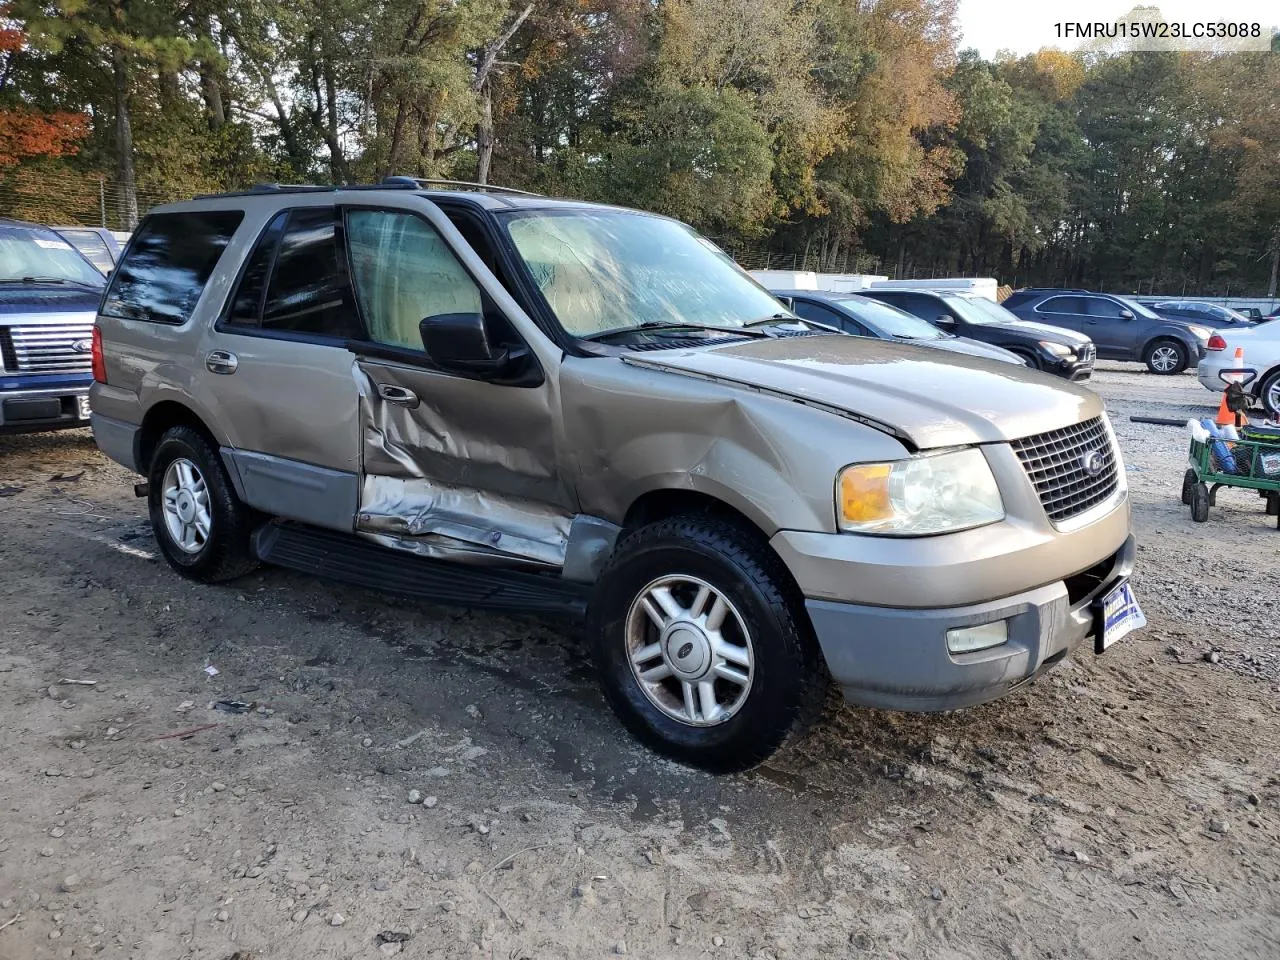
{"x":1126,"y":805}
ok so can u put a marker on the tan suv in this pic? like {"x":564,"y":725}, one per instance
{"x":500,"y":400}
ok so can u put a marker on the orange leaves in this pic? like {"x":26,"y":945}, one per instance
{"x":26,"y":133}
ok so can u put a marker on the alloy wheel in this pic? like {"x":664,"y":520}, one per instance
{"x":1165,"y":359}
{"x":690,"y":650}
{"x":185,"y":498}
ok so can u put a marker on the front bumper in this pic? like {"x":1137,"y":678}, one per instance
{"x":898,"y":659}
{"x":1069,"y":368}
{"x":25,"y":408}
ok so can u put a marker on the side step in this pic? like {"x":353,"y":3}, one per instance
{"x":346,"y":557}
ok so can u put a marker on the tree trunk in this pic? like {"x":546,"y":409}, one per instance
{"x":337,"y":161}
{"x":128,"y":202}
{"x":1275,"y":264}
{"x":169,"y":93}
{"x":210,"y":85}
{"x":211,"y":90}
{"x":484,"y":134}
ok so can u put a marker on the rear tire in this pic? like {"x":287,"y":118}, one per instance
{"x":1165,"y":357}
{"x":1200,"y":503}
{"x":671,"y":685}
{"x":200,"y":525}
{"x":1189,"y":481}
{"x":1269,"y":395}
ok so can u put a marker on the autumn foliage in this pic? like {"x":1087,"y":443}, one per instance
{"x":26,"y":133}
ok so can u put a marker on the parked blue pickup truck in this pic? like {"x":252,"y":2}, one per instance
{"x":48,"y":299}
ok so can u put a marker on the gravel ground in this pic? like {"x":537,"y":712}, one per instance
{"x":427,"y":781}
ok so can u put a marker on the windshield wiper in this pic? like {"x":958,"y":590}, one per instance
{"x":787,"y":319}
{"x":58,"y":280}
{"x":650,"y":325}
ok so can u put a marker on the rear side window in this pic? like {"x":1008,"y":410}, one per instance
{"x":1061,"y":305}
{"x":820,"y":314}
{"x":169,"y":261}
{"x":308,"y":291}
{"x":924,"y":307}
{"x":246,"y":308}
{"x":294,"y":281}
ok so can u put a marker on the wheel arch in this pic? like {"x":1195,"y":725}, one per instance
{"x":662,"y":503}
{"x":1168,"y":336}
{"x":160,"y":417}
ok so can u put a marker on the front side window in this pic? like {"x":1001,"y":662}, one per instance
{"x":1103,"y":309}
{"x":403,"y":271}
{"x":169,"y":261}
{"x":308,"y":292}
{"x":890,"y":320}
{"x":607,"y":270}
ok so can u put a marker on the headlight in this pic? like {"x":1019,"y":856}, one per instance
{"x":1057,"y":349}
{"x":923,"y":495}
{"x":1200,"y":333}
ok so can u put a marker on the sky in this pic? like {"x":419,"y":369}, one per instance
{"x":1025,"y":26}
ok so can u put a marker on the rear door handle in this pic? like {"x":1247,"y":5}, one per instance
{"x":221,"y":361}
{"x":394,"y":394}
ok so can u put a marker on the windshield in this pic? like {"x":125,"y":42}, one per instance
{"x":890,"y":320}
{"x":42,"y":255}
{"x":978,"y":309}
{"x":1214,"y":311}
{"x":604,"y":270}
{"x":1138,"y":309}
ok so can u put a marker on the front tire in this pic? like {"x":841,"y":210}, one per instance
{"x":1165,"y":357}
{"x":1200,"y":503}
{"x":200,"y":524}
{"x":703,"y":646}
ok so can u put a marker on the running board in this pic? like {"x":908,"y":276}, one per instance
{"x":346,"y":557}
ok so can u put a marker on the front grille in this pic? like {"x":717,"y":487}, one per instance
{"x":47,"y":348}
{"x":1057,"y":464}
{"x":1087,"y":353}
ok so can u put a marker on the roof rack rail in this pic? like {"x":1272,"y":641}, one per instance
{"x":399,"y":180}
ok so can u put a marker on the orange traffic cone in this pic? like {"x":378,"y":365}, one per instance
{"x":1225,"y":416}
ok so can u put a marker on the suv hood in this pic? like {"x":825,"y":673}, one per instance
{"x":1053,"y":334}
{"x":972,"y":348}
{"x":38,"y":299}
{"x":924,"y":398}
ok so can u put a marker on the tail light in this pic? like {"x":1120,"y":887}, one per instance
{"x":1216,"y":342}
{"x":99,"y":364}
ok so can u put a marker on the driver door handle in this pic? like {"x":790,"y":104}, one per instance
{"x":395,"y":394}
{"x":221,"y":361}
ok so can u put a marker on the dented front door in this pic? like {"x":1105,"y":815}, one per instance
{"x":453,"y":466}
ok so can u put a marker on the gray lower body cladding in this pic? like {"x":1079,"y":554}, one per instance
{"x":898,"y":659}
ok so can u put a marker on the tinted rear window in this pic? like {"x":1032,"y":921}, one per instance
{"x":169,"y":260}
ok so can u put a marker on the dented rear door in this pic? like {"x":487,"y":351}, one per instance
{"x":453,"y":466}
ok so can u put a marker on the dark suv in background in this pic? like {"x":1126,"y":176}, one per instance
{"x":1121,"y":328}
{"x":1060,"y":352}
{"x":1196,"y":311}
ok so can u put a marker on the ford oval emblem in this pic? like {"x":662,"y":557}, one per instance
{"x":82,"y":346}
{"x":1093,"y":463}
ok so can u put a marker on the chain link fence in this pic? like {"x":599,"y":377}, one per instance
{"x":62,"y":198}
